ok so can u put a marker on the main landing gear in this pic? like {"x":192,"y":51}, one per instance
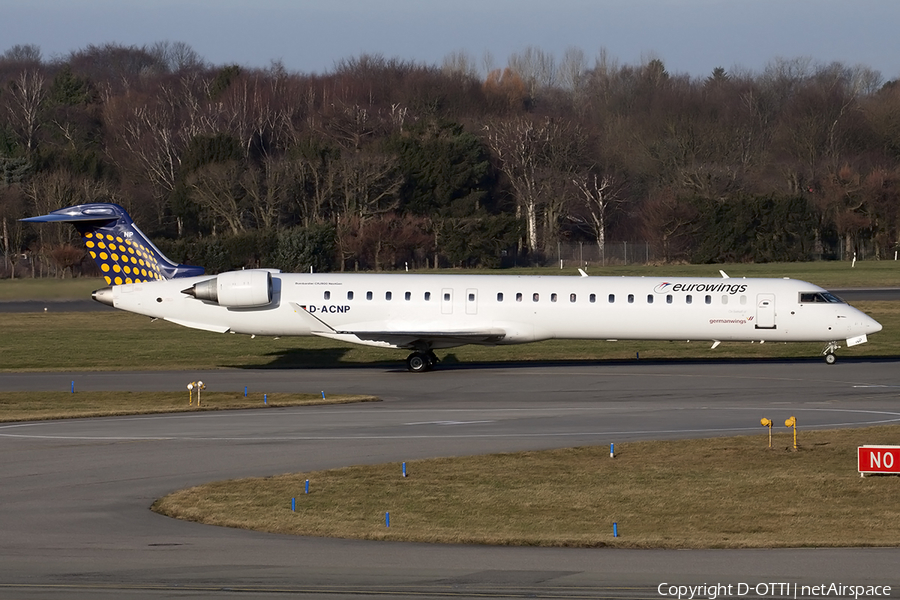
{"x":830,"y":358}
{"x":419,"y":362}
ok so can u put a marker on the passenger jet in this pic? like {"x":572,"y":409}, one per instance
{"x":423,"y":313}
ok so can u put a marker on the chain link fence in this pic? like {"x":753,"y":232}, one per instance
{"x":611,"y":253}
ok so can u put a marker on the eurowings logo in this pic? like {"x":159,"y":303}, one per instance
{"x":727,"y":288}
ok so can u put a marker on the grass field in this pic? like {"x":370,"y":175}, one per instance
{"x":49,"y":289}
{"x":715,"y":493}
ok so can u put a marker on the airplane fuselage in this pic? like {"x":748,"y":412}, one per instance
{"x":403,"y":311}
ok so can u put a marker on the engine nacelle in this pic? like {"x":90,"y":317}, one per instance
{"x":235,"y":289}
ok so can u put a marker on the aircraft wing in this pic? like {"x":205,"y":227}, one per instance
{"x":413,"y":339}
{"x":403,"y":335}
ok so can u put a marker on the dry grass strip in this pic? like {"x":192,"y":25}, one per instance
{"x":712,"y":493}
{"x":34,"y":406}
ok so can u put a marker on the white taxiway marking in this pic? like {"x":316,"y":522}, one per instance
{"x":869,"y":417}
{"x":448,"y":422}
{"x":876,"y":386}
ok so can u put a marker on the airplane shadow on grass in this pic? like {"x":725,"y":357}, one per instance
{"x":302,"y":358}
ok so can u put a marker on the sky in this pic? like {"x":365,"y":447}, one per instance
{"x":311,"y":36}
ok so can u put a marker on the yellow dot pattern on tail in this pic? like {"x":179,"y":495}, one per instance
{"x":122,"y":260}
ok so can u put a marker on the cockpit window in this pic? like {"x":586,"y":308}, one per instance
{"x":819,"y":298}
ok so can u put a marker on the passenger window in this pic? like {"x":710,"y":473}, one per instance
{"x":499,"y":296}
{"x":349,"y":295}
{"x":724,"y":299}
{"x":368,"y":295}
{"x":427,"y":296}
{"x":743,"y":299}
{"x":669,"y":299}
{"x":408,"y":295}
{"x":593,"y":297}
{"x":552,"y":297}
{"x":571,"y":297}
{"x":708,"y":299}
{"x":612,"y":298}
{"x":519,"y":297}
{"x":688,"y":299}
{"x":387,"y":295}
{"x":649,"y":298}
{"x":630,"y":298}
{"x":327,"y":295}
{"x":535,"y":297}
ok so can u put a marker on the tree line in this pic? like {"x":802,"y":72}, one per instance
{"x":384,"y":163}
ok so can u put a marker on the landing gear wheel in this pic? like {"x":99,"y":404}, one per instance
{"x":830,"y":358}
{"x":418,"y":362}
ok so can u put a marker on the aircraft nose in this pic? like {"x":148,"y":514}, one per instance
{"x":871,"y":325}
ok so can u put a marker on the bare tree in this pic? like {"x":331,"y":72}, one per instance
{"x":459,"y":64}
{"x":572,"y":69}
{"x":318,"y":176}
{"x":248,"y":109}
{"x":267,"y":187}
{"x":368,"y":185}
{"x":351,"y":125}
{"x":11,"y":210}
{"x":216,"y":189}
{"x":116,"y":63}
{"x":23,"y":53}
{"x":536,"y":67}
{"x":535,"y":155}
{"x":153,"y":133}
{"x":671,"y":222}
{"x":26,"y":102}
{"x":599,"y":194}
{"x":177,"y":57}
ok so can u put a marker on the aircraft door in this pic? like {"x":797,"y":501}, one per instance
{"x":765,"y":311}
{"x":447,"y":301}
{"x":471,"y":302}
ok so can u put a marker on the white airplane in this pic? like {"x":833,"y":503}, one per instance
{"x":423,"y":313}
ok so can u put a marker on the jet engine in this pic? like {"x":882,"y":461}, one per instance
{"x":235,"y":289}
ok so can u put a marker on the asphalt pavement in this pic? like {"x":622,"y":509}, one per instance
{"x":75,"y":494}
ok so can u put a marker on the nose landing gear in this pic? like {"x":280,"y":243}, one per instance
{"x":828,"y":352}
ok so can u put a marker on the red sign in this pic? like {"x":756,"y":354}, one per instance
{"x":879,"y":459}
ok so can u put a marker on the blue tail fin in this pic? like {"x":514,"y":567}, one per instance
{"x":121,"y":250}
